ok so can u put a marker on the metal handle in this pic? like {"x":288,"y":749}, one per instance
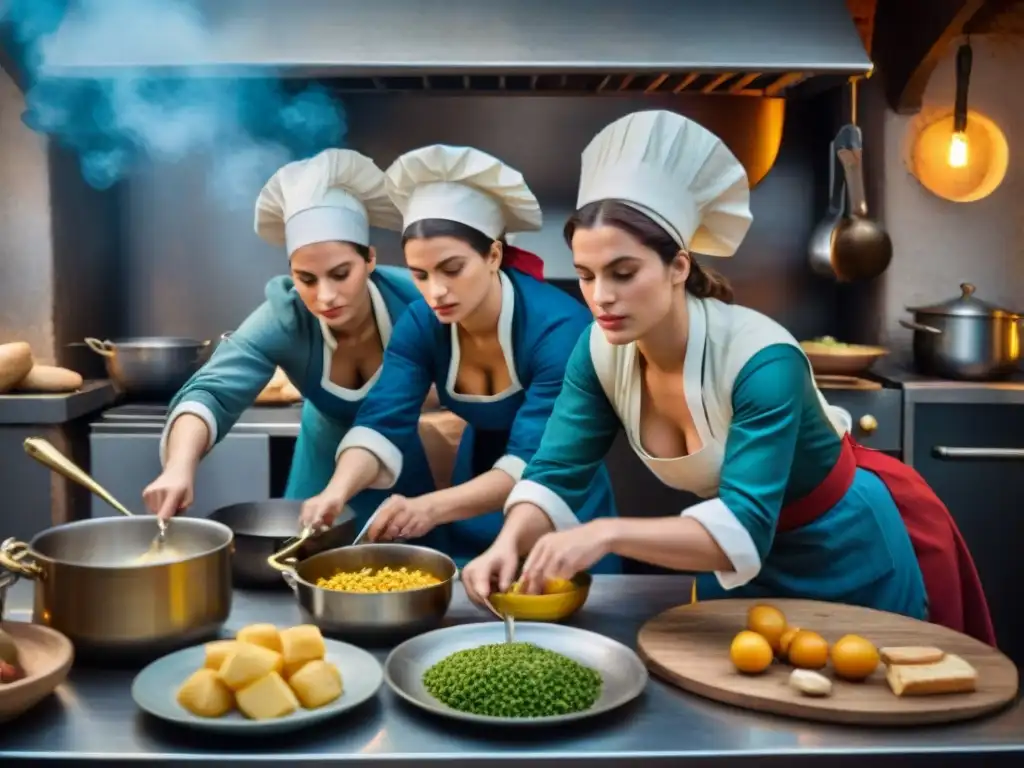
{"x":836,"y":185}
{"x":12,"y":560}
{"x":954,"y":454}
{"x":868,"y":423}
{"x":275,"y":560}
{"x":43,"y":451}
{"x":104,"y":348}
{"x":918,"y":327}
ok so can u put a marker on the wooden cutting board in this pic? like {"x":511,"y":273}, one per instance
{"x":689,"y":647}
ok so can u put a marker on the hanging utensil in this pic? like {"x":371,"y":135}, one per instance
{"x":861,"y":249}
{"x":820,"y":247}
{"x":45,"y":453}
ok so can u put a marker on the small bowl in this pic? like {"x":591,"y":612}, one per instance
{"x":45,"y":656}
{"x":841,"y":359}
{"x":554,"y":607}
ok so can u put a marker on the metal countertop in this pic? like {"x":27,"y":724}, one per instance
{"x":92,"y":718}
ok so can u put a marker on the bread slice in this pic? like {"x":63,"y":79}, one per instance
{"x":951,"y":675}
{"x":912,"y":654}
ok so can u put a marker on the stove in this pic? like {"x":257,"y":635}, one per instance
{"x":143,"y":418}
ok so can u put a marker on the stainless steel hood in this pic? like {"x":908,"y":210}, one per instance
{"x":738,"y":47}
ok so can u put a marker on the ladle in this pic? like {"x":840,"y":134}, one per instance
{"x":45,"y":453}
{"x":861,"y":249}
{"x":820,"y":247}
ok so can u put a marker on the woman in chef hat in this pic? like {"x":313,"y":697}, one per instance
{"x":326,"y":326}
{"x":491,"y":335}
{"x":717,"y":400}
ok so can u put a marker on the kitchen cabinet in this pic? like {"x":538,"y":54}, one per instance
{"x":972,"y":455}
{"x":236,"y":470}
{"x":877,"y":416}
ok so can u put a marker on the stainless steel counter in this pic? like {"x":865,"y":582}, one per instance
{"x":142,"y":419}
{"x":93,"y":719}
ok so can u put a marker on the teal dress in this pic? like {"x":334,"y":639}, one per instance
{"x":777,"y":445}
{"x":282,"y":332}
{"x":537,"y":329}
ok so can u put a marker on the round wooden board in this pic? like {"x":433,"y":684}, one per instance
{"x":689,"y":647}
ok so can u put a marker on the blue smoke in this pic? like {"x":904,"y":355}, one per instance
{"x":245,"y":127}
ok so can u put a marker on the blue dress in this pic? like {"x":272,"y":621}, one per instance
{"x":282,"y":332}
{"x":767,"y":438}
{"x":537,"y":327}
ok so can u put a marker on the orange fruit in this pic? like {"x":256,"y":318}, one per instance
{"x":750,"y":652}
{"x":786,"y":639}
{"x":808,"y":650}
{"x":769,"y":622}
{"x":854,"y":658}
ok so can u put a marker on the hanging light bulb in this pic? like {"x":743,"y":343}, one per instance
{"x":959,"y":152}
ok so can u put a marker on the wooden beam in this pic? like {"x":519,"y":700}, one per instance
{"x":910,"y":37}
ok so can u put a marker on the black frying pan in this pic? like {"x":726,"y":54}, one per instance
{"x":262,"y":528}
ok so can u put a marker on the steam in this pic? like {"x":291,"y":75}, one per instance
{"x":245,"y":128}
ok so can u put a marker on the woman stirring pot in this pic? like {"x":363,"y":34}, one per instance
{"x":490,"y":334}
{"x":326,"y":326}
{"x":718,"y":400}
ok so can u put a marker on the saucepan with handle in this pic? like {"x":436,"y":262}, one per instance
{"x":99,"y":583}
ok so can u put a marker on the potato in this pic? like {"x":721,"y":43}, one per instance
{"x":204,"y":694}
{"x":302,"y":643}
{"x":267,"y":698}
{"x":217,"y":652}
{"x":260,"y":634}
{"x":291,"y":669}
{"x":317,"y":683}
{"x":248,"y":664}
{"x":50,"y":378}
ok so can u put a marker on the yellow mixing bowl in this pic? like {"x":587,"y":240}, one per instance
{"x":548,"y":607}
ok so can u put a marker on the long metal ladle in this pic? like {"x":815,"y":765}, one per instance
{"x":45,"y":453}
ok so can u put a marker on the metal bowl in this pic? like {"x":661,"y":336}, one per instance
{"x":151,"y":366}
{"x":262,"y":528}
{"x":378,"y":614}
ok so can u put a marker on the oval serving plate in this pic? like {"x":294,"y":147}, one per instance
{"x":623,"y":675}
{"x":155,"y":689}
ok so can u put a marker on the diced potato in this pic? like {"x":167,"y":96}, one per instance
{"x":302,"y":643}
{"x":316,"y":684}
{"x":217,"y":652}
{"x":260,"y":634}
{"x":291,"y":669}
{"x":267,"y":698}
{"x":205,"y":695}
{"x":248,"y":664}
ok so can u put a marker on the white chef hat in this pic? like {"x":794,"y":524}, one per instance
{"x":675,"y":171}
{"x":335,"y":195}
{"x":465,"y":185}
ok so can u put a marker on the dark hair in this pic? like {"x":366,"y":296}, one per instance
{"x":427,"y":228}
{"x":362,"y":250}
{"x":702,"y":282}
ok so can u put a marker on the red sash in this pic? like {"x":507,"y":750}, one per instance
{"x":955,"y":595}
{"x":528,"y":263}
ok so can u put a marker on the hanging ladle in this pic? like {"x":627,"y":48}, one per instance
{"x":861,"y":249}
{"x":820,"y":247}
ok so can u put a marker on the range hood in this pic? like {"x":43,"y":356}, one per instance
{"x":736,"y":47}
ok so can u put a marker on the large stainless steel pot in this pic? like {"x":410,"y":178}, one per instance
{"x":355,"y":614}
{"x":151,"y":366}
{"x":97,"y":582}
{"x":965,"y":338}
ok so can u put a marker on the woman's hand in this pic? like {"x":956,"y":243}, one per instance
{"x":321,"y":510}
{"x":402,"y":518}
{"x":170,"y":493}
{"x":563,"y":554}
{"x":494,"y":568}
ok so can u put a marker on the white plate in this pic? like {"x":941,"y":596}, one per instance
{"x":155,"y":690}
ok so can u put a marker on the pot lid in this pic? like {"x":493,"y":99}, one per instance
{"x":965,"y":305}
